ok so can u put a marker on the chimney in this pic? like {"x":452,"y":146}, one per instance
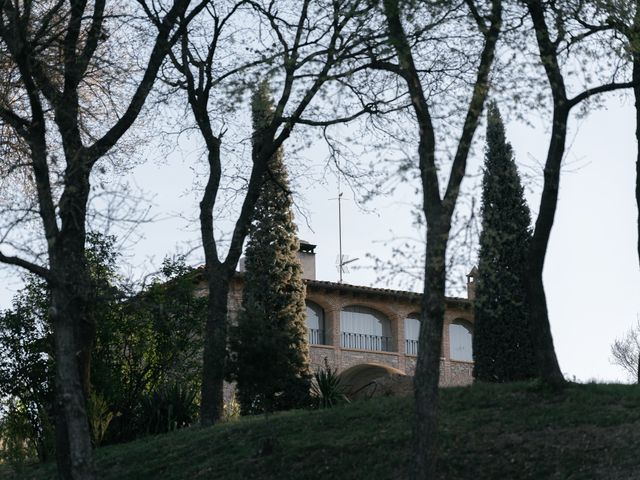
{"x":307,"y":257}
{"x":472,"y":278}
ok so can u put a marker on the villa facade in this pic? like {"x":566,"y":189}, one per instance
{"x":371,"y":332}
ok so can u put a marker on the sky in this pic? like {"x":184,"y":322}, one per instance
{"x":591,"y":273}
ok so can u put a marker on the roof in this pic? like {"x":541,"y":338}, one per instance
{"x":387,"y":292}
{"x":361,"y":289}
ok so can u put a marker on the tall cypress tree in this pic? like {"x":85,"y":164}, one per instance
{"x":269,"y":345}
{"x":502,"y":347}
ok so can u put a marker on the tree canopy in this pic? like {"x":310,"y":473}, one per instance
{"x":270,"y":349}
{"x":502,"y":349}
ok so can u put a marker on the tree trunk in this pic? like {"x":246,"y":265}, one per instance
{"x":427,"y":373}
{"x":73,"y":444}
{"x":215,"y":347}
{"x":74,"y":328}
{"x":540,"y":329}
{"x":636,"y":93}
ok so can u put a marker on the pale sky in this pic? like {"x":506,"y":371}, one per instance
{"x":591,"y":273}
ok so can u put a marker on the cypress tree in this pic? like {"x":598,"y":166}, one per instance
{"x":269,"y":345}
{"x":502,"y":348}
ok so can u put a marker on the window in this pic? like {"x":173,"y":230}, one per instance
{"x":460,"y":340}
{"x":411,"y":334}
{"x":365,"y":328}
{"x":315,"y":324}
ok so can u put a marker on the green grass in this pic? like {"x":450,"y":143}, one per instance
{"x":518,"y":431}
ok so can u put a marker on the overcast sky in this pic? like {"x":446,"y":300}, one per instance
{"x":591,"y":274}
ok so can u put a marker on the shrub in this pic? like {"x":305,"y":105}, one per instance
{"x":168,"y":408}
{"x":100,"y":417}
{"x":326,"y":387}
{"x":231,"y":409}
{"x":24,"y":436}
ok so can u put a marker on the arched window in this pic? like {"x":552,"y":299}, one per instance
{"x":411,"y":334}
{"x":460,"y":340}
{"x":365,"y":328}
{"x":315,"y":324}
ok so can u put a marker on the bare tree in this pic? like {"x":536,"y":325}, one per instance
{"x":624,"y":17}
{"x":304,"y":46}
{"x":52,"y":52}
{"x":483,"y":21}
{"x":626,"y":352}
{"x":556,"y":45}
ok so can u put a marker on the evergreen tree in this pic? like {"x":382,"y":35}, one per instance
{"x":269,"y":345}
{"x":502,"y":347}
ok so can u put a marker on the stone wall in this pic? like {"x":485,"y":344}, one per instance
{"x":452,"y":373}
{"x":396,"y":306}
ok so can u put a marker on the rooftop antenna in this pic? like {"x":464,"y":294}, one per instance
{"x":342,"y":260}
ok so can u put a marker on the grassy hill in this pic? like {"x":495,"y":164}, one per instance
{"x":518,"y":431}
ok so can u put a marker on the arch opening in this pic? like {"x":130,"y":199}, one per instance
{"x":461,"y":340}
{"x":315,"y":324}
{"x":365,"y":329}
{"x":411,"y":334}
{"x":357,"y":379}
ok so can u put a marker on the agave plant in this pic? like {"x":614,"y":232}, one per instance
{"x":326,"y":387}
{"x":169,"y":408}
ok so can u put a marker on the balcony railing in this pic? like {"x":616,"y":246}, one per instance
{"x":366,"y":342}
{"x":411,"y":347}
{"x":316,"y":336}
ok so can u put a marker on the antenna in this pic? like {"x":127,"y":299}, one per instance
{"x":342,"y":261}
{"x":340,"y":264}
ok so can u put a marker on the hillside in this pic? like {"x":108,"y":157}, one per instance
{"x":519,"y":431}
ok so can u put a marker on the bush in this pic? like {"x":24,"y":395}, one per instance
{"x":326,"y":387}
{"x":23,"y":436}
{"x":100,"y":417}
{"x":231,"y":410}
{"x":168,"y":408}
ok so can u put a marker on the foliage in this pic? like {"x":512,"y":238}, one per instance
{"x":147,"y":342}
{"x":270,"y":351}
{"x":142,"y":342}
{"x":24,"y":435}
{"x":231,"y":409}
{"x":169,"y":407}
{"x":626,"y":352}
{"x":326,"y":388}
{"x":520,"y":430}
{"x":502,"y":347}
{"x":26,"y":373}
{"x":99,"y":417}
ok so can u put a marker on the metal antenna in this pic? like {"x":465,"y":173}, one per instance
{"x":340,"y":259}
{"x":343,"y":260}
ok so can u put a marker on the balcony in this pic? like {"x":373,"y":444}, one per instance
{"x":363,"y":341}
{"x":316,"y":336}
{"x":411,"y":347}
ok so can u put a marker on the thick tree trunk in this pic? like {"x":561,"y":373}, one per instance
{"x":427,"y":373}
{"x":215,"y":348}
{"x":548,"y":367}
{"x":73,"y":444}
{"x":74,"y":328}
{"x":540,"y":331}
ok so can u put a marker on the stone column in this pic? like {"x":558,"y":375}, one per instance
{"x":397,"y":330}
{"x":445,"y":355}
{"x":333,"y":333}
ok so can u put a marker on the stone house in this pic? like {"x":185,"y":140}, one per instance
{"x":367,"y":332}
